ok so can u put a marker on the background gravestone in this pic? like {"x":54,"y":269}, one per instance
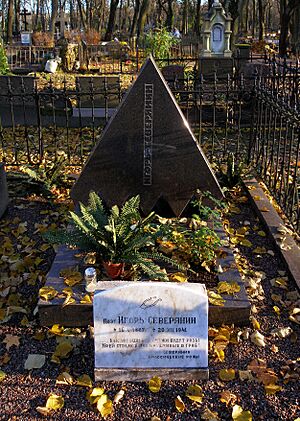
{"x":96,"y":95}
{"x":3,"y":190}
{"x":151,"y":328}
{"x":147,"y":148}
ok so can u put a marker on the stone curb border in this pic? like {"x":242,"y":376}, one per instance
{"x":272,"y":221}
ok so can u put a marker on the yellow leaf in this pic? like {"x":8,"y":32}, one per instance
{"x":246,"y":243}
{"x":69,"y":300}
{"x":55,"y":402}
{"x":62,"y":351}
{"x":85,"y":381}
{"x":255,"y":324}
{"x":238,"y":414}
{"x":261,"y":233}
{"x":277,"y":310}
{"x":209,"y":415}
{"x":260,"y":250}
{"x":215,"y":299}
{"x":71,"y":276}
{"x":227,"y":374}
{"x":65,"y":378}
{"x":57,"y":330}
{"x":2,"y":376}
{"x":86,"y":299}
{"x":228,"y":287}
{"x":194,"y":393}
{"x":178,"y":277}
{"x":179,"y":404}
{"x":256,"y":197}
{"x":104,"y":406}
{"x":48,"y":293}
{"x":43,"y":410}
{"x":271,"y":389}
{"x":94,"y":394}
{"x":154,"y":384}
{"x":228,"y":398}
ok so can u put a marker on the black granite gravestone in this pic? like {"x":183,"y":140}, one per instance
{"x":147,"y":148}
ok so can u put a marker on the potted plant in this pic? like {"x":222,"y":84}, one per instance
{"x":119,"y":237}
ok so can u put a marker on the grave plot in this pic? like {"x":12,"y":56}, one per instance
{"x":152,"y":156}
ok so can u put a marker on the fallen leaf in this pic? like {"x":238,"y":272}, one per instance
{"x":209,"y":415}
{"x":246,"y":243}
{"x":48,"y":293}
{"x":271,"y":389}
{"x":179,"y":404}
{"x":104,"y":406}
{"x":55,"y":402}
{"x":65,"y":378}
{"x":238,"y":414}
{"x":194,"y":393}
{"x":34,"y":361}
{"x":260,"y":250}
{"x":215,"y":299}
{"x":258,"y":339}
{"x":61,"y":351}
{"x":71,"y":276}
{"x":258,"y":365}
{"x":255,"y":324}
{"x":246,"y":375}
{"x":227,"y":374}
{"x":228,"y":398}
{"x":228,"y":287}
{"x":11,"y":340}
{"x":178,"y":277}
{"x":154,"y":384}
{"x":87,"y":299}
{"x":2,"y":375}
{"x":118,"y":396}
{"x":85,"y":381}
{"x":93,"y":395}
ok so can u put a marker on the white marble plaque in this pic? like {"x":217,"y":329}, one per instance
{"x":151,"y":325}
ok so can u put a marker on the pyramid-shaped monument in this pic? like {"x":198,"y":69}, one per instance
{"x":147,"y":148}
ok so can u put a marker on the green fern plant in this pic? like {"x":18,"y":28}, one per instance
{"x":121,"y":236}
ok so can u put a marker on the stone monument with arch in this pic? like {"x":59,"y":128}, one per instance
{"x":216,"y":36}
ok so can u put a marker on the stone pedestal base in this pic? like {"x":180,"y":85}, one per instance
{"x":222,"y":65}
{"x":3,"y":190}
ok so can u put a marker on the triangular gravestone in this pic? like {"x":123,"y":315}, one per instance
{"x":147,"y":148}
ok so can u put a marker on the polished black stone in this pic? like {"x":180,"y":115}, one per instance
{"x":147,"y":148}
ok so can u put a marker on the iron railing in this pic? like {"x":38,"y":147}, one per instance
{"x":256,"y":117}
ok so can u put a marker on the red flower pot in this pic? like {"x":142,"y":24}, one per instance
{"x":114,"y":270}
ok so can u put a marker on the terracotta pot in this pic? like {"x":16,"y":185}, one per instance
{"x":114,"y":270}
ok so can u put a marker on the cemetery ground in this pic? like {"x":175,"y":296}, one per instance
{"x":254,"y":370}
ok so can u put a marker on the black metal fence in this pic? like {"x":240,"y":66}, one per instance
{"x":255,"y":117}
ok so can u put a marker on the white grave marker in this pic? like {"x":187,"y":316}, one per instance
{"x":144,"y":329}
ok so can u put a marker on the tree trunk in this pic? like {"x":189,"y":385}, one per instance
{"x":111,"y":19}
{"x":54,"y":11}
{"x":197,"y":18}
{"x":261,"y":15}
{"x":135,"y":18}
{"x":142,"y":17}
{"x":81,"y":13}
{"x":295,"y":31}
{"x":10,"y":21}
{"x":184,"y":27}
{"x":170,"y":16}
{"x":253,"y":18}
